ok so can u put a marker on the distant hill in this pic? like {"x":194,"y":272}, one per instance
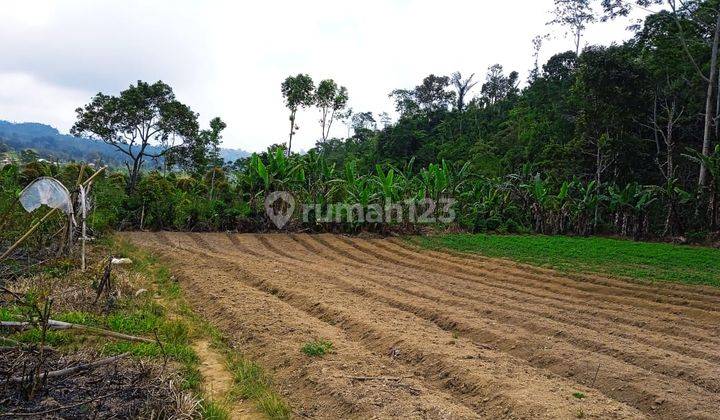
{"x":49,"y":144}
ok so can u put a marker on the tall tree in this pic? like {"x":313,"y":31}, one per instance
{"x":201,"y":152}
{"x":700,"y":14}
{"x":433,"y":94}
{"x":574,"y":15}
{"x":142,"y":116}
{"x":430,"y":96}
{"x":462,"y":88}
{"x":298,"y":93}
{"x":331,"y":100}
{"x":497,"y":86}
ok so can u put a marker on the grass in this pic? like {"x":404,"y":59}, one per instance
{"x":212,"y":410}
{"x":615,"y":257}
{"x":317,"y":348}
{"x":251,"y":383}
{"x":578,"y":395}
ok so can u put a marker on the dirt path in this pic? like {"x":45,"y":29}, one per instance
{"x":427,"y":334}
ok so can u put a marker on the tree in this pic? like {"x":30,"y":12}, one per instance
{"x":432,"y":95}
{"x":497,"y":86}
{"x":298,"y":93}
{"x":462,"y":88}
{"x":385,"y":119}
{"x":700,"y":14}
{"x":405,"y":103}
{"x":537,"y":43}
{"x":331,"y":100}
{"x":28,"y":156}
{"x":575,"y":15}
{"x":201,"y":152}
{"x":144,"y":121}
{"x":363,"y":121}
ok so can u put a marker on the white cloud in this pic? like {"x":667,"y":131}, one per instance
{"x":228,"y":58}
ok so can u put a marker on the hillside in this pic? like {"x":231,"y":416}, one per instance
{"x":50,"y":144}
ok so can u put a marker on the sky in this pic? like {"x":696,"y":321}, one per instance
{"x":228,"y":58}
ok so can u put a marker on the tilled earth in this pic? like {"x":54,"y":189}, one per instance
{"x":427,"y":334}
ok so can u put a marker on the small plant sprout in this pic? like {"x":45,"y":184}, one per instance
{"x":317,"y":348}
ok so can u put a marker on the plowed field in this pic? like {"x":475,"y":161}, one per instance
{"x":427,"y":334}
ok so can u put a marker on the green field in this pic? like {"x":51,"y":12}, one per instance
{"x":637,"y":260}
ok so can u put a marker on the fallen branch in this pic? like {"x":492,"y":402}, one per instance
{"x":68,"y":371}
{"x":59,"y":325}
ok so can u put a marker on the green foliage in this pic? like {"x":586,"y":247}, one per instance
{"x":317,"y":348}
{"x":252,"y":383}
{"x":211,"y":410}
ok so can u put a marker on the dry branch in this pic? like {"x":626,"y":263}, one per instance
{"x":59,"y":325}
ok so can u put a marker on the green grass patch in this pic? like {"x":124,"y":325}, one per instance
{"x":578,"y":395}
{"x":212,"y":410}
{"x":251,"y":383}
{"x":52,"y":338}
{"x":317,"y":348}
{"x":615,"y":257}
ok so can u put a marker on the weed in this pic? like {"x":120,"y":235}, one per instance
{"x":317,"y":348}
{"x":578,"y":395}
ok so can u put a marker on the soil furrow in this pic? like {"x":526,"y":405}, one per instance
{"x":425,"y":349}
{"x":563,"y":315}
{"x":689,"y":316}
{"x":535,"y":349}
{"x":481,"y":287}
{"x":320,"y":388}
{"x":568,"y":288}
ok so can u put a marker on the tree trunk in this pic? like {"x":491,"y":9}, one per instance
{"x":709,"y":102}
{"x":292,"y":131}
{"x":134,"y":174}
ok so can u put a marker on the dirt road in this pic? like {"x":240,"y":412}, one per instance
{"x":423,"y":334}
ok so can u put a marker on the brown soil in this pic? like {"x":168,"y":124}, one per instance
{"x":428,"y":334}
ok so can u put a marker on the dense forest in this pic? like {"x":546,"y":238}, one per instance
{"x":617,"y":139}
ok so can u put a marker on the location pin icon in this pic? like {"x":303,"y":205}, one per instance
{"x":279,"y":216}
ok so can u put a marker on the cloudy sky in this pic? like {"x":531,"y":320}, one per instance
{"x":228,"y":58}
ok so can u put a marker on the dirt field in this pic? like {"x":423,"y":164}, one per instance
{"x":421,"y":334}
